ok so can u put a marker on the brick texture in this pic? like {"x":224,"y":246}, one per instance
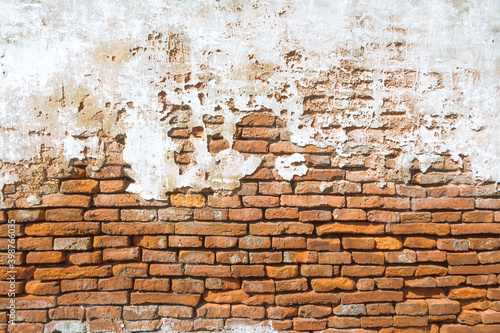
{"x":330,"y":251}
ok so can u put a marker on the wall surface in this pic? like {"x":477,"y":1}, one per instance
{"x":250,"y":166}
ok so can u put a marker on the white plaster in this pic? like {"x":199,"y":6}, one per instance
{"x":47,"y":46}
{"x":286,"y":166}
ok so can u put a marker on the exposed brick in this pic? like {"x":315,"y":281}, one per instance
{"x":80,"y":186}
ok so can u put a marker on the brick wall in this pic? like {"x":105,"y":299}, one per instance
{"x":332,"y":250}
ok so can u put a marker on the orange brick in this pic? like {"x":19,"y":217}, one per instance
{"x":245,"y":214}
{"x":105,"y":172}
{"x":80,"y":186}
{"x":196,"y":257}
{"x":358,"y":243}
{"x":78,"y":284}
{"x":443,"y":203}
{"x":220,"y":242}
{"x":66,"y":200}
{"x":251,"y":146}
{"x":319,"y":244}
{"x":208,"y":214}
{"x":289,"y":242}
{"x":152,"y":284}
{"x":315,"y":215}
{"x":124,"y":254}
{"x":258,"y":286}
{"x":131,"y":270}
{"x":312,"y":201}
{"x":139,"y":215}
{"x":112,"y":186}
{"x":103,"y":214}
{"x":148,"y":242}
{"x":181,"y":200}
{"x":111,"y":241}
{"x":49,"y":257}
{"x":349,"y":215}
{"x":420,"y":242}
{"x":274,"y":188}
{"x":282,"y":213}
{"x":282,"y":272}
{"x":157,"y":256}
{"x":211,"y":228}
{"x":258,"y":119}
{"x":188,"y":286}
{"x":26,"y":215}
{"x":261,"y":201}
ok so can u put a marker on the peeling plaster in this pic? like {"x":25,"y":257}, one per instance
{"x":77,"y":74}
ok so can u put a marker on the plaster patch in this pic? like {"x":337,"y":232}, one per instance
{"x":287,"y":168}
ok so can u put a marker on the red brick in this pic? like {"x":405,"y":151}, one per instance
{"x":280,"y":228}
{"x":93,"y":298}
{"x":175,"y":214}
{"x":469,"y":258}
{"x":477,"y":216}
{"x":358,"y":243}
{"x":80,"y":186}
{"x":103,"y":214}
{"x":282,"y":213}
{"x":350,"y":228}
{"x":475,"y":228}
{"x":315,"y":215}
{"x":446,"y":217}
{"x":112,"y":186}
{"x":258,"y":286}
{"x":82,"y":243}
{"x":266,"y":257}
{"x":62,"y":229}
{"x":111,"y":241}
{"x":487,"y":203}
{"x":306,"y":298}
{"x":443,"y":307}
{"x":415,"y":217}
{"x":376,"y":322}
{"x":42,"y":288}
{"x":78,"y":284}
{"x":306,"y":324}
{"x":124,"y":254}
{"x":131,"y":270}
{"x":420,"y":242}
{"x":439,"y":229}
{"x":208,"y":214}
{"x":484,"y":243}
{"x":312,"y":201}
{"x":280,"y":312}
{"x":443,"y":203}
{"x":467,"y":293}
{"x":232,"y":257}
{"x":365,"y":202}
{"x":188,"y":286}
{"x":220,"y":242}
{"x":372,"y":297}
{"x":319,"y":244}
{"x":289,"y":243}
{"x":274,"y":188}
{"x":258,"y":119}
{"x":388,"y":243}
{"x":371,"y":258}
{"x":316,"y":270}
{"x":115,"y":283}
{"x":359,"y":271}
{"x":251,"y":146}
{"x":211,"y":228}
{"x":65,"y":200}
{"x":245,"y":214}
{"x":49,"y":257}
{"x":105,"y":172}
{"x":196,"y":257}
{"x":282,"y":272}
{"x":247,"y":271}
{"x":150,"y":284}
{"x":165,"y":270}
{"x":335,"y":258}
{"x":291,"y":285}
{"x":164,"y":298}
{"x":208,"y":270}
{"x":85,"y":258}
{"x":254,"y":242}
{"x":261,"y":201}
{"x":26,"y":215}
{"x":66,"y":312}
{"x":383,"y":216}
{"x":224,"y":201}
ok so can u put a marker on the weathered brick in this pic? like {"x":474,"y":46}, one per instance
{"x":80,"y":186}
{"x":210,"y":228}
{"x":102,"y":214}
{"x":443,"y":203}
